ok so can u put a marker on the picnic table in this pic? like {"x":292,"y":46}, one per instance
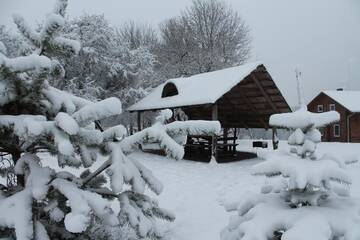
{"x":202,"y":145}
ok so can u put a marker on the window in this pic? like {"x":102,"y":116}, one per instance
{"x":336,"y":130}
{"x":320,"y":108}
{"x":169,"y":90}
{"x":332,"y":107}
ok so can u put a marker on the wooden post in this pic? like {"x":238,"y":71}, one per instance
{"x":275,"y":140}
{"x":234,"y":141}
{"x":225,"y":135}
{"x":139,"y":120}
{"x":214,"y":116}
{"x":131,"y":129}
{"x":140,"y":124}
{"x":235,"y":135}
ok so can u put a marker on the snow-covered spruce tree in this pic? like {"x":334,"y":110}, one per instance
{"x":37,"y":118}
{"x":308,"y":197}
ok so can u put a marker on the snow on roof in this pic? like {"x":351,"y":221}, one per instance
{"x":198,"y":89}
{"x":349,"y":99}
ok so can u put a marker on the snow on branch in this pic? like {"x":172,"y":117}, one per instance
{"x":97,"y":111}
{"x":3,"y":48}
{"x":135,"y":208}
{"x":156,"y":133}
{"x":27,"y":63}
{"x":60,"y":7}
{"x":123,"y":170}
{"x":82,"y":203}
{"x":52,"y":24}
{"x":302,"y":172}
{"x":153,"y":183}
{"x":39,"y":176}
{"x":67,"y":123}
{"x":193,"y":127}
{"x":40,"y":231}
{"x":65,"y":44}
{"x":16,"y":212}
{"x":59,"y":100}
{"x":262,"y":218}
{"x":115,"y":133}
{"x":18,"y":123}
{"x":26,"y":30}
{"x":303,"y":119}
{"x":165,"y":134}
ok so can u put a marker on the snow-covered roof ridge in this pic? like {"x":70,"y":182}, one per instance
{"x":347,"y":98}
{"x":197,"y":89}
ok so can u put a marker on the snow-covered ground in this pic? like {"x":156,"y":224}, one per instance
{"x":196,"y":191}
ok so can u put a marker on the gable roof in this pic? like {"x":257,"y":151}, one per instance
{"x":205,"y":88}
{"x":348,"y":99}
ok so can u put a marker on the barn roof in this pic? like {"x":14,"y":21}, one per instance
{"x":205,"y":88}
{"x":348,"y":99}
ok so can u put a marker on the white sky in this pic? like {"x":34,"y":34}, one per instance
{"x":321,"y":37}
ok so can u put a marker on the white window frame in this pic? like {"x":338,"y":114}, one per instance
{"x":320,"y":108}
{"x":332,"y":107}
{"x":337,"y":126}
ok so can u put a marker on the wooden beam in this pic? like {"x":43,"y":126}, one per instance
{"x":272,"y":105}
{"x":214,"y":116}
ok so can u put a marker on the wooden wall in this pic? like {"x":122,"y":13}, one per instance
{"x":328,"y":132}
{"x":355,"y":128}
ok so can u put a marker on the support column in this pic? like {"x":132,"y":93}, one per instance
{"x":140,"y":124}
{"x":214,"y":116}
{"x":234,"y":141}
{"x":131,"y":127}
{"x":275,"y":140}
{"x":225,"y":135}
{"x":139,"y":120}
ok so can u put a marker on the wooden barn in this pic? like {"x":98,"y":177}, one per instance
{"x":239,"y":97}
{"x":348,"y":105}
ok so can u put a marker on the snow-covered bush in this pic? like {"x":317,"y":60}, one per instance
{"x":307,"y":196}
{"x":36,"y":117}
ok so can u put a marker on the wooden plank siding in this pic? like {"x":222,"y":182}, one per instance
{"x":345,"y":114}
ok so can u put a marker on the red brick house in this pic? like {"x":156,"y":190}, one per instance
{"x":347,"y":103}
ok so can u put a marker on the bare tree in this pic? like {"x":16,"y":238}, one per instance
{"x":137,"y":35}
{"x":207,"y":36}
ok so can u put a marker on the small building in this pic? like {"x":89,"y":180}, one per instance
{"x":347,"y":104}
{"x":239,"y":97}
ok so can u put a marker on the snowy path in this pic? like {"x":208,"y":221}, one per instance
{"x":195,"y":193}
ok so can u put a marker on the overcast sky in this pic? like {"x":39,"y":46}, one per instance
{"x":321,"y":37}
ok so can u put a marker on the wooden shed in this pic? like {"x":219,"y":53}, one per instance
{"x":347,"y":104}
{"x":239,"y":97}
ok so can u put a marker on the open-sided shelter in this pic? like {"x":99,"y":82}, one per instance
{"x":244,"y":96}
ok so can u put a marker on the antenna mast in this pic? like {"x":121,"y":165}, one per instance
{"x":299,"y":89}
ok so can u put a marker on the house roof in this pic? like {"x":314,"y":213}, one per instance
{"x":205,"y":88}
{"x":348,"y":99}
